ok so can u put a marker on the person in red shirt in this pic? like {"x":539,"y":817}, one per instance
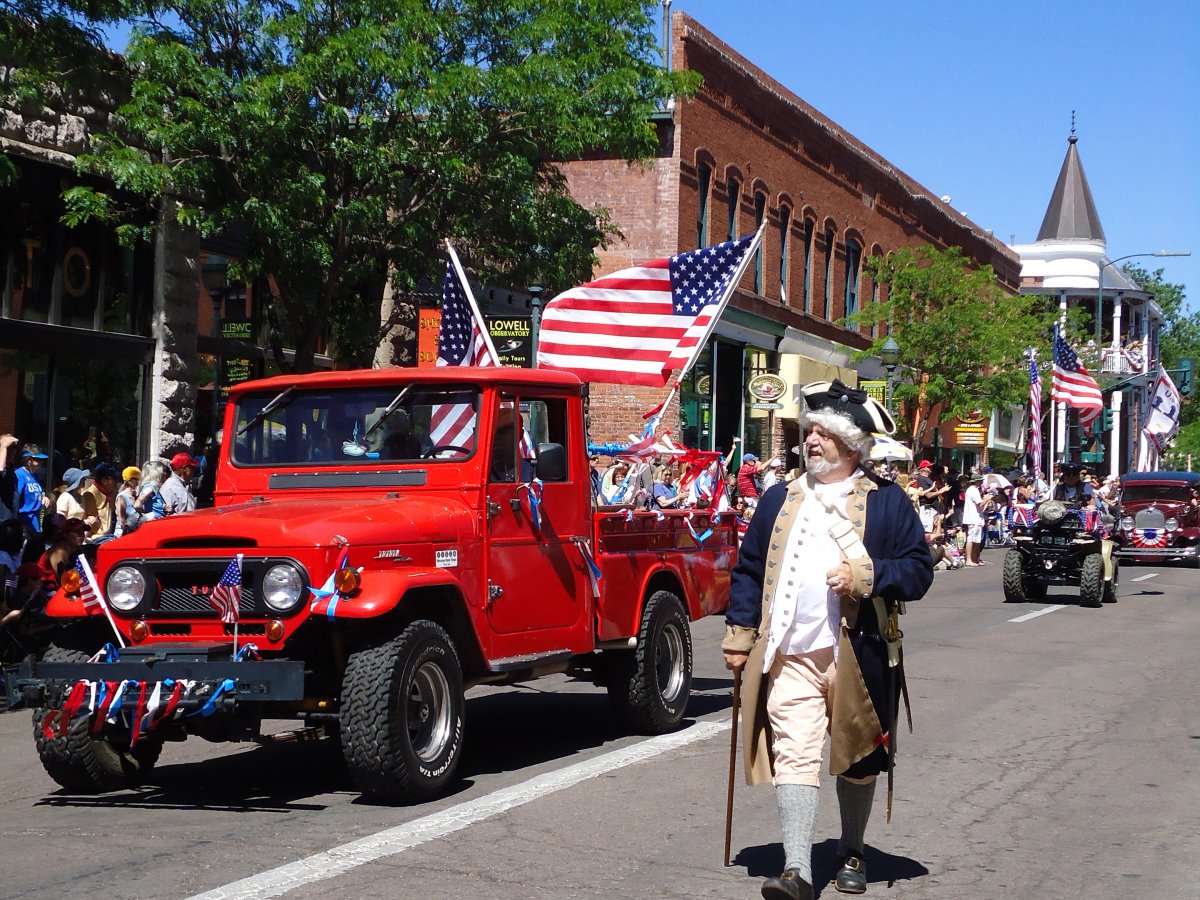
{"x":747,"y":477}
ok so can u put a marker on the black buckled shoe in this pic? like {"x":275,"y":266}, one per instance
{"x":852,"y":876}
{"x":788,"y":886}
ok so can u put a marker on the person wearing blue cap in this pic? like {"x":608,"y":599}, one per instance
{"x":747,"y":477}
{"x":30,"y":499}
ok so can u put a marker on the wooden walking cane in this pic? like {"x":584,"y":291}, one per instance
{"x":733,"y":742}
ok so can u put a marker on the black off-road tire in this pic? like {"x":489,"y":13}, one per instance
{"x":1110,"y":587}
{"x":87,"y":763}
{"x":402,"y":715}
{"x":1091,"y":581}
{"x":649,"y":686}
{"x":1014,"y":578}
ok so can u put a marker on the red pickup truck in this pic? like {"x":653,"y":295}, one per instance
{"x":396,"y":537}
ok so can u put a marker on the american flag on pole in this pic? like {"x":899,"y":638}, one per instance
{"x":1035,"y":414}
{"x":461,"y":342}
{"x":637,"y":325}
{"x":1073,"y":385}
{"x":227,"y":595}
{"x":86,"y":592}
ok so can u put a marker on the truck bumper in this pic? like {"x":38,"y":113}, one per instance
{"x":253,"y":681}
{"x":1163,"y":554}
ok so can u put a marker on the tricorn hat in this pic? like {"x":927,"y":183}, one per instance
{"x":865,"y":412}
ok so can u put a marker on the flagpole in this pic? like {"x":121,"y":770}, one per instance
{"x":733,"y":283}
{"x":237,"y":618}
{"x":91,"y":577}
{"x":466,"y":286}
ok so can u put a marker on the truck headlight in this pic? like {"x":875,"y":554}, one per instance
{"x":1172,"y":524}
{"x":281,"y":587}
{"x":126,"y":588}
{"x":1127,"y":523}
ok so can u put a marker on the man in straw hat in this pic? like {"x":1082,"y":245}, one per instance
{"x":825,"y":565}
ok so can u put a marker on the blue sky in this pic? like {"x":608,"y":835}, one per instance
{"x":974,"y":100}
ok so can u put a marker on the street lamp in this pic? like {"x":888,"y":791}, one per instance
{"x":890,"y":354}
{"x":1100,"y":282}
{"x":535,"y":302}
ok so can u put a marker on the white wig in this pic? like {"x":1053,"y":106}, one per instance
{"x":841,"y":426}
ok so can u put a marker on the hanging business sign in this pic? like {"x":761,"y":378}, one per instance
{"x":512,"y":339}
{"x":429,"y":323}
{"x":767,"y":388}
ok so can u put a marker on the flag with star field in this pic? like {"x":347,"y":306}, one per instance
{"x":637,"y":325}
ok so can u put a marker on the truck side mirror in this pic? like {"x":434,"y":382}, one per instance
{"x":551,"y":464}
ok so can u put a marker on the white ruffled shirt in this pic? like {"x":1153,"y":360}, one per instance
{"x":805,"y":612}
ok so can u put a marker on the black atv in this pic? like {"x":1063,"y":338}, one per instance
{"x":1062,"y":546}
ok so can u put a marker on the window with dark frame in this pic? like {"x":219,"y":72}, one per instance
{"x":735,"y":196}
{"x":853,"y":263}
{"x":829,"y":249}
{"x":704,"y":176}
{"x":785,"y":229}
{"x":760,"y":210}
{"x":808,"y":251}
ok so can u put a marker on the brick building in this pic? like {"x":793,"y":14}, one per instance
{"x":742,"y":150}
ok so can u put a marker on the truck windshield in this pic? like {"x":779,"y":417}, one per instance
{"x":1170,"y":493}
{"x":344,"y":426}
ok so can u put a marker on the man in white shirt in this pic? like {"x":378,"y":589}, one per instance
{"x":972,"y":519}
{"x":824,"y":564}
{"x":177,"y":489}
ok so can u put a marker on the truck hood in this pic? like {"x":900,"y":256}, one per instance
{"x":309,"y":522}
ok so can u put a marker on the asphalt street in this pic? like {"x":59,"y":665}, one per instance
{"x":1055,"y":755}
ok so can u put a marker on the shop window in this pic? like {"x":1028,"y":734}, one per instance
{"x":853,"y":265}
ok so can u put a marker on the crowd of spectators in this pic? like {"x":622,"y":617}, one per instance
{"x":46,"y":523}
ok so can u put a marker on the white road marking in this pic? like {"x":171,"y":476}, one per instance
{"x":1040,"y":612}
{"x":1144,"y":577}
{"x":390,"y":841}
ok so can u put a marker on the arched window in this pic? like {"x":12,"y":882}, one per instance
{"x":808,"y":236}
{"x":853,"y":265}
{"x":760,"y":210}
{"x":734,"y":198}
{"x":704,"y":175}
{"x":785,"y":232}
{"x":829,"y":250}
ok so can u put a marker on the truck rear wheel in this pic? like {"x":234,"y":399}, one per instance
{"x":649,"y":686}
{"x":87,"y":763}
{"x":1091,"y":581}
{"x":402,"y":715}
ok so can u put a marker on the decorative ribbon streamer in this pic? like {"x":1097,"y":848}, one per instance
{"x":698,"y":538}
{"x":139,"y":711}
{"x":108,"y":694}
{"x":535,"y":502}
{"x":248,"y":651}
{"x":73,"y":702}
{"x":210,"y":705}
{"x":594,"y":573}
{"x":107,"y":653}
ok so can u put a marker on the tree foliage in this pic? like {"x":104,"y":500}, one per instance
{"x":349,"y":139}
{"x":962,"y":337}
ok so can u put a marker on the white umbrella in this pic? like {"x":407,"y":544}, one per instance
{"x":996,"y":480}
{"x":888,"y":449}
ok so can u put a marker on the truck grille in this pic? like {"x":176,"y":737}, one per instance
{"x":1150,"y":518}
{"x":181,"y":600}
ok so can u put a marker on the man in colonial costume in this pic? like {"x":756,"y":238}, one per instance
{"x":825,"y":566}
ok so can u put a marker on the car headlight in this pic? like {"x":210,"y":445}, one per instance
{"x":1127,"y":523}
{"x":1172,"y":524}
{"x":281,"y":587}
{"x":126,"y":587}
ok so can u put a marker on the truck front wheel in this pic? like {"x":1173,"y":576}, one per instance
{"x":402,"y":715}
{"x":649,"y":686}
{"x":85,"y":762}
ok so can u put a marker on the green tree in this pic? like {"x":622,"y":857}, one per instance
{"x":962,"y":337}
{"x":350,"y":139}
{"x":1178,"y":340}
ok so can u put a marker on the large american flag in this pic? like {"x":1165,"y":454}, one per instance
{"x":227,"y":595}
{"x":637,"y":325}
{"x":1073,"y":385}
{"x":1035,"y":414}
{"x":460,"y":343}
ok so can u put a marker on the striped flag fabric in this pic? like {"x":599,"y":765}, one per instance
{"x":1035,"y":414}
{"x":86,"y":592}
{"x":1073,"y":384}
{"x":227,"y":595}
{"x":637,"y":325}
{"x":461,"y":342}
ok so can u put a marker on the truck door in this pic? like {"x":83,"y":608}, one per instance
{"x":534,"y":570}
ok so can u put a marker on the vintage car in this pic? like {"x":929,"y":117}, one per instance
{"x":1160,"y":517}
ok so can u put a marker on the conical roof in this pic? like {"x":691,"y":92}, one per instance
{"x":1072,"y":214}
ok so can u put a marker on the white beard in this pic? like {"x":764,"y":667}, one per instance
{"x":819,"y":466}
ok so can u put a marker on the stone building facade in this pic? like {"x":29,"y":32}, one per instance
{"x":742,"y":150}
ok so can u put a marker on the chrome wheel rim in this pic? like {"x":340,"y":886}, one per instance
{"x":428,"y":705}
{"x":668,"y":663}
